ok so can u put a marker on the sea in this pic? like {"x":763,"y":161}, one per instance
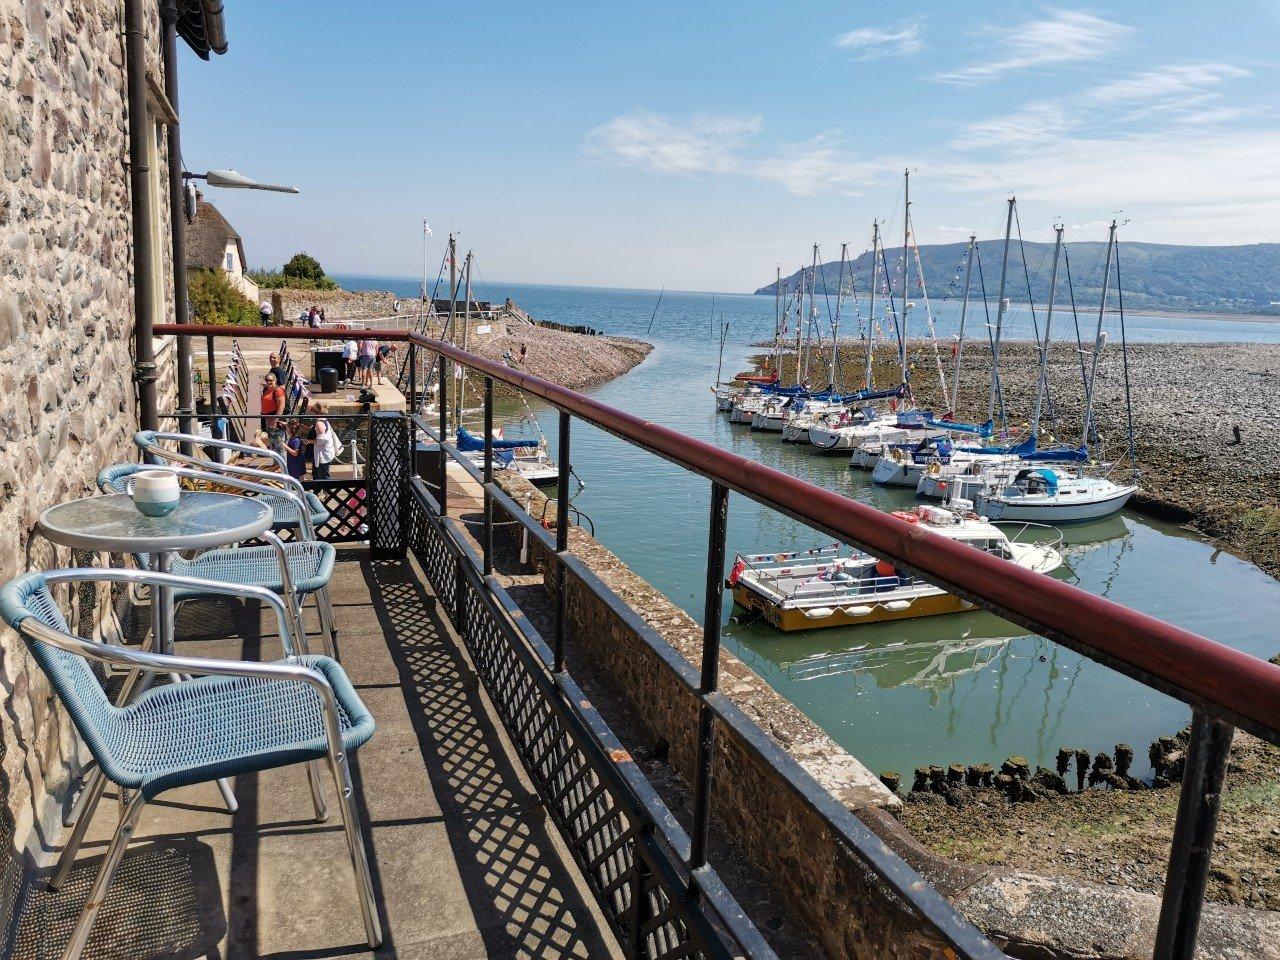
{"x":966,"y":688}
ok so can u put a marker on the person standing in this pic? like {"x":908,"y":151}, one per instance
{"x":349,"y":348}
{"x":295,"y":450}
{"x":265,"y":310}
{"x":385,"y":350}
{"x":272,"y":405}
{"x":368,"y":352}
{"x":278,"y":371}
{"x":324,"y":444}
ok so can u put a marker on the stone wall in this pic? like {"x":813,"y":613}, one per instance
{"x":67,"y":398}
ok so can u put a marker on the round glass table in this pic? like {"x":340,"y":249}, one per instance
{"x":112,"y":524}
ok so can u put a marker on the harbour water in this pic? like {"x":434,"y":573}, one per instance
{"x":963,"y":688}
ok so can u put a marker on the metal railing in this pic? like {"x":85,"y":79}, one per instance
{"x":648,"y":895}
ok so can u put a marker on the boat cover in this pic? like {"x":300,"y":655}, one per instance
{"x":468,"y":442}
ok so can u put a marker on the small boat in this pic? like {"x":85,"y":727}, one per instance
{"x":527,"y":456}
{"x":830,"y":587}
{"x":1054,"y":495}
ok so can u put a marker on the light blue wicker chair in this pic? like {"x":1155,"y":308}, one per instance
{"x":235,"y":718}
{"x":309,"y":561}
{"x":288,"y":516}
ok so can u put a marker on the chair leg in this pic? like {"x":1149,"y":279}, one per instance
{"x":98,"y":892}
{"x":315,"y":776}
{"x":93,"y":789}
{"x":77,"y":808}
{"x":355,"y":844}
{"x":327,"y":626}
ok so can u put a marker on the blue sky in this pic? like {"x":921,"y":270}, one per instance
{"x":696,"y":146}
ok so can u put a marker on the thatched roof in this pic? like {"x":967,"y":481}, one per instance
{"x":208,"y":236}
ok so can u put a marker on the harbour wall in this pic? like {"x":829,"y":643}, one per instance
{"x":822,"y":881}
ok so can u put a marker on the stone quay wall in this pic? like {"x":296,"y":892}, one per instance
{"x":842,"y":903}
{"x":851,"y":913}
{"x":67,"y":398}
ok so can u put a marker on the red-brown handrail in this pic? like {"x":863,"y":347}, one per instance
{"x":1226,"y":683}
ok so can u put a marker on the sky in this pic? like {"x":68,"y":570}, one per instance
{"x":697,"y":146}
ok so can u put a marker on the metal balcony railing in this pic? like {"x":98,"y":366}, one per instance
{"x":651,"y":876}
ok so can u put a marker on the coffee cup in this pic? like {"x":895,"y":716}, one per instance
{"x":155,"y":492}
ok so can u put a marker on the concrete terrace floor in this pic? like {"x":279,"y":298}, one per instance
{"x":465,"y":864}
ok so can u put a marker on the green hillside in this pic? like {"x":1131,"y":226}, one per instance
{"x":1244,"y":279}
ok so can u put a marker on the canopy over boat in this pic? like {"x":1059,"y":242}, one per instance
{"x":468,"y":442}
{"x":1039,"y":477}
{"x":981,"y":429}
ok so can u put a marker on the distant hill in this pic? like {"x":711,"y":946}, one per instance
{"x":1165,"y":276}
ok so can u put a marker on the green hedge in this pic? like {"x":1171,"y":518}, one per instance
{"x":215,"y":300}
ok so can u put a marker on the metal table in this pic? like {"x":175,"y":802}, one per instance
{"x":112,"y":524}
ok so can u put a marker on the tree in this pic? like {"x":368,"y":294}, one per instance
{"x":215,"y":300}
{"x":303,"y":266}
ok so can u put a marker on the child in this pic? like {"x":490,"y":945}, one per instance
{"x":295,"y":451}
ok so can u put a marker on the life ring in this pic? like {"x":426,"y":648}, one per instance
{"x":909,"y":516}
{"x":934,"y":469}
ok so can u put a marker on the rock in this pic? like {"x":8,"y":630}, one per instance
{"x":1124,"y":758}
{"x":1017,"y":767}
{"x":891,"y":779}
{"x":1045,"y":779}
{"x":1064,"y":760}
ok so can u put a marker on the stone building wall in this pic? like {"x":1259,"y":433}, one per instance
{"x":67,"y":399}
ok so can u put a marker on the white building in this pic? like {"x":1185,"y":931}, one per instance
{"x":213,"y":244}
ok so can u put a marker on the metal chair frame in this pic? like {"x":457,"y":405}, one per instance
{"x":151,"y":663}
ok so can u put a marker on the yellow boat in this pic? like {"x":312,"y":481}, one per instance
{"x":829,"y":587}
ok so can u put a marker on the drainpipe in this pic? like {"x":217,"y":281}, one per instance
{"x":177,"y":217}
{"x":144,"y":307}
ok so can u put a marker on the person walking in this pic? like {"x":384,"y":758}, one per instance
{"x":368,"y":352}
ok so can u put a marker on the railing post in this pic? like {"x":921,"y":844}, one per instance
{"x":442,"y":399}
{"x":413,"y":384}
{"x":1183,"y":900}
{"x":711,"y":625}
{"x":213,"y":373}
{"x":562,"y":542}
{"x":486,"y":544}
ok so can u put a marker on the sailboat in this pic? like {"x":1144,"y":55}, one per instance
{"x":1060,"y":495}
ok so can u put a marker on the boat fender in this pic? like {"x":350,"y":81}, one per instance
{"x":897,"y":605}
{"x":858,"y":611}
{"x":885,"y":569}
{"x":818,"y":613}
{"x":934,"y":469}
{"x":898,"y":456}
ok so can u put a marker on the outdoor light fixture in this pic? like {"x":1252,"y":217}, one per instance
{"x":230,"y":179}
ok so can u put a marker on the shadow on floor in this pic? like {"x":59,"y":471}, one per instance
{"x":525,"y":902}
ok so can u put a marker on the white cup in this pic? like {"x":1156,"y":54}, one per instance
{"x":154,"y":492}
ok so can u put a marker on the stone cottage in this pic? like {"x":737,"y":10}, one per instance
{"x":91,"y":182}
{"x":213,"y":244}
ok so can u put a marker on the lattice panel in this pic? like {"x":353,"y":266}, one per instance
{"x":388,"y":489}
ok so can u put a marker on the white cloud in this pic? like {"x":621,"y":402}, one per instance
{"x":872,"y":43}
{"x":1180,"y":81}
{"x":1064,"y":36}
{"x":1023,"y":128}
{"x":712,"y":144}
{"x":707,"y":143}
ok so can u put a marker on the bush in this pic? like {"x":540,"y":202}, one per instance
{"x":302,"y":272}
{"x":215,"y":300}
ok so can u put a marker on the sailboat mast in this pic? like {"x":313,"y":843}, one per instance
{"x":964,"y":310}
{"x":453,"y":285}
{"x":875,"y":283}
{"x":1043,"y":386}
{"x":835,"y":323}
{"x":799,"y":326}
{"x":906,"y":234}
{"x":995,"y":341}
{"x":466,"y":326}
{"x":1099,"y":338}
{"x":813,"y":310}
{"x":777,"y":322}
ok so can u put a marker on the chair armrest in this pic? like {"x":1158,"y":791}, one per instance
{"x":198,"y":666}
{"x":147,"y":446}
{"x":153,"y":578}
